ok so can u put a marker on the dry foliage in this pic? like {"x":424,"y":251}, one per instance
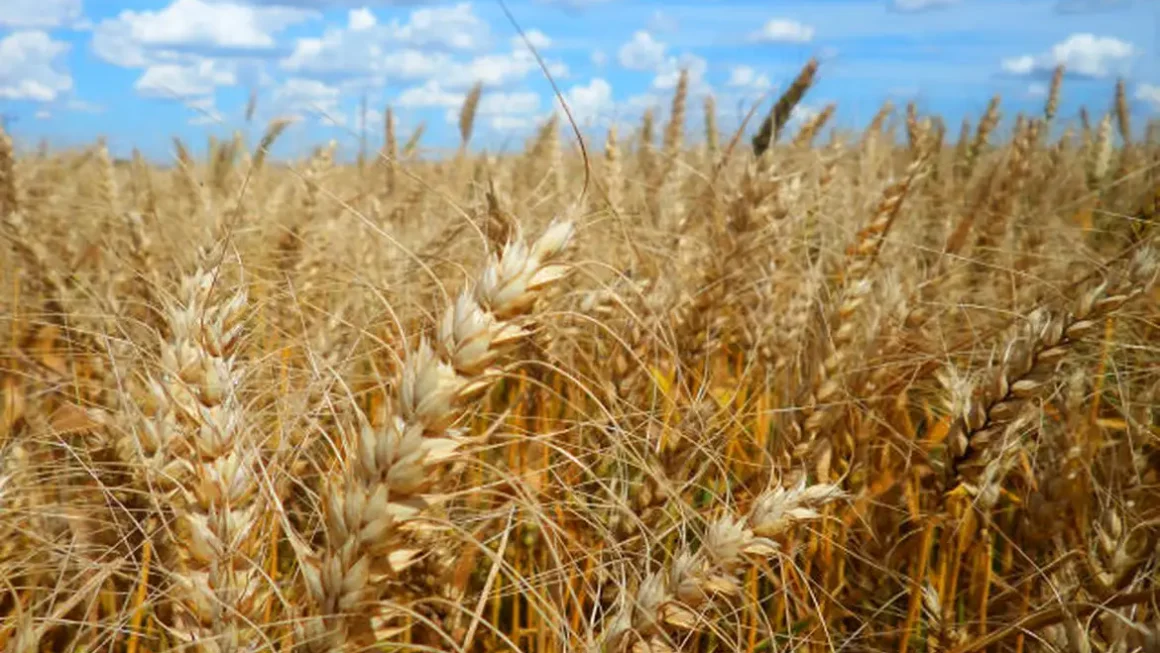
{"x":825,"y":392}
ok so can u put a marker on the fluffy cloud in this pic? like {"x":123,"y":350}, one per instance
{"x":299,"y":92}
{"x":519,"y":102}
{"x":205,"y":111}
{"x":135,"y":39}
{"x":1085,"y":55}
{"x":745,"y":77}
{"x":669,"y":72}
{"x":1150,"y":95}
{"x":176,"y":81}
{"x":744,"y":86}
{"x":30,"y":67}
{"x":297,"y":97}
{"x":41,"y":13}
{"x":780,"y":30}
{"x":361,"y":19}
{"x":589,"y":102}
{"x":659,"y":95}
{"x":538,"y":39}
{"x":599,"y":58}
{"x":1022,"y":65}
{"x":498,"y":70}
{"x":363,"y":49}
{"x":662,"y":22}
{"x":363,"y":54}
{"x":82,"y":106}
{"x":802,"y":113}
{"x":454,"y":27}
{"x":504,"y":123}
{"x":431,"y":94}
{"x":434,"y":95}
{"x":920,"y":5}
{"x":643,"y":52}
{"x":189,"y":48}
{"x":501,"y":111}
{"x":375,"y":63}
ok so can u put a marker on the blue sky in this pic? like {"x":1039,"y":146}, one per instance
{"x":143,"y":71}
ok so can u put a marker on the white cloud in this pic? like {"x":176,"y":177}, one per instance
{"x":41,"y":13}
{"x":431,"y":94}
{"x":186,"y":33}
{"x":297,"y":96}
{"x":780,"y":30}
{"x":744,"y":86}
{"x":636,"y":105}
{"x":82,"y":106}
{"x":360,"y":19}
{"x":1023,"y":65}
{"x":348,"y":57}
{"x":643,"y":52}
{"x":367,"y":53}
{"x":374,"y":118}
{"x":177,"y":81}
{"x":801,"y":113}
{"x":599,"y":58}
{"x":501,"y":111}
{"x":413,"y":64}
{"x":1149,"y":94}
{"x":296,"y":90}
{"x":365,"y":57}
{"x":920,"y":5}
{"x":1037,"y":89}
{"x":745,"y":77}
{"x":662,"y":22}
{"x":113,"y":42}
{"x":538,"y":39}
{"x":659,"y":95}
{"x":590,"y":102}
{"x":518,"y":102}
{"x":30,"y":67}
{"x":1086,"y":55}
{"x":455,"y":27}
{"x":43,"y":114}
{"x":434,"y":95}
{"x":190,"y":48}
{"x":205,"y":111}
{"x":415,"y":49}
{"x":511,"y":123}
{"x":497,"y":70}
{"x":669,"y":72}
{"x":222,"y":27}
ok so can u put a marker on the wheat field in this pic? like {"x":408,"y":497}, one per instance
{"x":785,"y":388}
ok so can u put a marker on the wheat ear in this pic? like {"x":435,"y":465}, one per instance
{"x":982,"y":411}
{"x":381,"y":489}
